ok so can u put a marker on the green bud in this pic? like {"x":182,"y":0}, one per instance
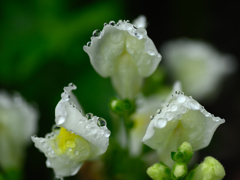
{"x":209,"y":169}
{"x":178,"y":156}
{"x":129,"y":106}
{"x":179,"y":170}
{"x":159,"y":171}
{"x":121,"y":107}
{"x":187,"y":150}
{"x":116,"y":106}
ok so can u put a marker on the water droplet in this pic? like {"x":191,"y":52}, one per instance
{"x":112,"y":23}
{"x":107,"y":133}
{"x":161,"y":123}
{"x":101,"y":122}
{"x":70,"y":149}
{"x":216,"y":119}
{"x":151,"y":117}
{"x":89,"y":115}
{"x":174,"y":107}
{"x":169,"y":116}
{"x":181,"y":98}
{"x":138,"y":35}
{"x":151,"y":52}
{"x":89,"y":43}
{"x":60,"y":120}
{"x":159,"y":111}
{"x":96,"y":33}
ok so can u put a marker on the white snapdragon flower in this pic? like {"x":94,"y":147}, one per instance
{"x":199,"y":67}
{"x":183,"y":119}
{"x":125,"y":53}
{"x":146,"y":106}
{"x":18,"y":121}
{"x":79,"y":138}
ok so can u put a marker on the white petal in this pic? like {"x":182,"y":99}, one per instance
{"x":71,"y":118}
{"x":62,"y":165}
{"x":125,"y":54}
{"x":184,"y":119}
{"x":146,"y":106}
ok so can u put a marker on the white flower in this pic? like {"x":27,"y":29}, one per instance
{"x":146,"y":106}
{"x":125,"y":53}
{"x":183,"y":119}
{"x":18,"y":121}
{"x":199,"y":67}
{"x":79,"y":138}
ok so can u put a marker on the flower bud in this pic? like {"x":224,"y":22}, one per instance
{"x":159,"y":171}
{"x":209,"y":169}
{"x":179,"y":170}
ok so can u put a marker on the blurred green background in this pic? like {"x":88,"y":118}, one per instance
{"x":41,"y":51}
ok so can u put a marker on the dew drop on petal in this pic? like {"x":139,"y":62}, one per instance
{"x":96,"y":33}
{"x":159,"y":111}
{"x":151,"y":52}
{"x":112,"y":23}
{"x":89,"y":115}
{"x":174,"y":107}
{"x":161,"y":123}
{"x":101,"y":122}
{"x":60,"y":120}
{"x":107,"y":133}
{"x":181,"y":98}
{"x":151,"y":117}
{"x":89,"y":43}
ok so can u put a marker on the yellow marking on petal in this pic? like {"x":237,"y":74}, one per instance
{"x":72,"y":145}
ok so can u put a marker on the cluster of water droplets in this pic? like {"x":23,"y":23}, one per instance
{"x":96,"y":126}
{"x":122,"y":25}
{"x":45,"y":145}
{"x":177,"y":107}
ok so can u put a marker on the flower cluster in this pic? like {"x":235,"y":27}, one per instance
{"x":124,"y":52}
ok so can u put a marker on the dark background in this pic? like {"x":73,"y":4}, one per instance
{"x":41,"y":52}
